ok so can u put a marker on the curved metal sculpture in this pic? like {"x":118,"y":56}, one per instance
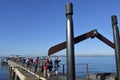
{"x":80,"y":38}
{"x":70,"y":41}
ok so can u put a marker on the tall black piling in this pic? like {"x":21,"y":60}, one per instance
{"x":117,"y":44}
{"x":70,"y":42}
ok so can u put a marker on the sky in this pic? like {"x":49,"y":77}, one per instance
{"x":31,"y":27}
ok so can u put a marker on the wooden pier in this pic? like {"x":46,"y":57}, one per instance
{"x":20,"y":72}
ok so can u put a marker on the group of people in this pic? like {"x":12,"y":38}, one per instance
{"x":44,"y":65}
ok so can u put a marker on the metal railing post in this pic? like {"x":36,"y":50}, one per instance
{"x":117,"y":44}
{"x":87,"y":75}
{"x":70,"y":42}
{"x":63,"y":69}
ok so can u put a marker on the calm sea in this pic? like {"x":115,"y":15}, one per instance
{"x":4,"y":74}
{"x":96,"y":64}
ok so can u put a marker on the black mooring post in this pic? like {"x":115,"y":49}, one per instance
{"x":70,"y":42}
{"x":117,"y":44}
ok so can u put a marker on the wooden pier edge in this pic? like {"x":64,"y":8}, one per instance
{"x":17,"y":71}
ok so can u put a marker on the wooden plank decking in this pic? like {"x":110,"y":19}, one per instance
{"x":30,"y":75}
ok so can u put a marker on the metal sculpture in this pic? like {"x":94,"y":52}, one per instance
{"x":70,"y":41}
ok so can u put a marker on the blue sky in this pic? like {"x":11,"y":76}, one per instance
{"x":31,"y":27}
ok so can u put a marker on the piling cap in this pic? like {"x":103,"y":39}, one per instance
{"x":114,"y":19}
{"x":69,"y":8}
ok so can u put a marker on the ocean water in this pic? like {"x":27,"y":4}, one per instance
{"x":4,"y":74}
{"x":96,"y":64}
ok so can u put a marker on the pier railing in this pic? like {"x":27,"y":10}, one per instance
{"x":81,"y":70}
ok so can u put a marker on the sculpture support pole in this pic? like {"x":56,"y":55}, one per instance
{"x":70,"y":42}
{"x":117,"y":44}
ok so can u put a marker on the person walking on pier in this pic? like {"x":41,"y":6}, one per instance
{"x":40,"y":65}
{"x":28,"y":62}
{"x":45,"y":64}
{"x":56,"y":65}
{"x":42,"y":62}
{"x":36,"y":64}
{"x":23,"y":61}
{"x":49,"y":67}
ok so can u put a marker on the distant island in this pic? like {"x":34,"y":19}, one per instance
{"x":65,"y":56}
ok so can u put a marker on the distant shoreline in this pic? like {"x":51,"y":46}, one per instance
{"x":75,"y":56}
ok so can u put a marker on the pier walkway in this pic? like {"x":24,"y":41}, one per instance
{"x":24,"y":73}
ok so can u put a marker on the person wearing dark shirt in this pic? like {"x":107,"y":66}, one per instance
{"x":56,"y":65}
